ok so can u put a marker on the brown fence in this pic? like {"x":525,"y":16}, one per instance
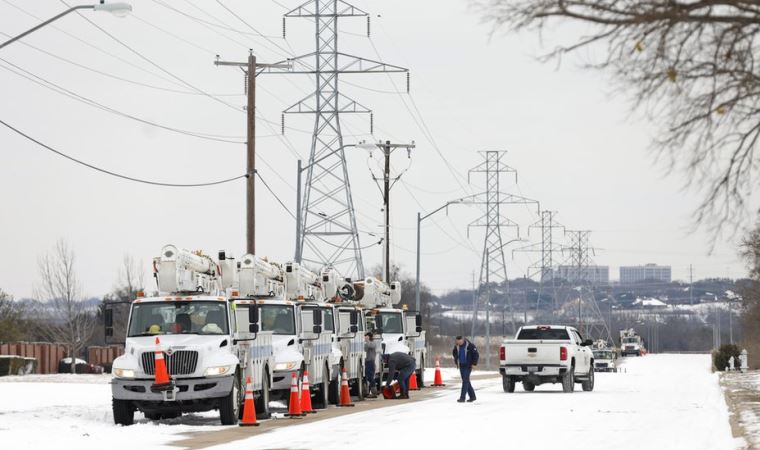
{"x":47,"y":355}
{"x":102,"y":356}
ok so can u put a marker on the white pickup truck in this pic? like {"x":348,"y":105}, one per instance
{"x":547,"y":354}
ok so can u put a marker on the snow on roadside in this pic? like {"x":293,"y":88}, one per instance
{"x":74,"y":411}
{"x":660,"y":402}
{"x":743,"y":392}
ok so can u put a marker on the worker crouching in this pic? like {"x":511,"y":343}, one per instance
{"x":401,"y":366}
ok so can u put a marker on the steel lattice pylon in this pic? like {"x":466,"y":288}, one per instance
{"x":493,"y":268}
{"x":328,"y":234}
{"x":591,"y":322}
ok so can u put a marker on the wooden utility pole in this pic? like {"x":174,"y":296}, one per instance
{"x":251,"y":69}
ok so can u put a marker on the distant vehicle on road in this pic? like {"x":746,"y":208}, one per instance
{"x":605,"y":360}
{"x":631,"y":343}
{"x":547,"y":354}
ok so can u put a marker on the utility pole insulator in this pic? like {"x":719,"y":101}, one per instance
{"x":368,"y":28}
{"x":283,"y":27}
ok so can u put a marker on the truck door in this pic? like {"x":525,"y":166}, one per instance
{"x":584,"y":361}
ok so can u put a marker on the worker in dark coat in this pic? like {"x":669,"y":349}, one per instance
{"x":466,"y":357}
{"x":405,"y":365}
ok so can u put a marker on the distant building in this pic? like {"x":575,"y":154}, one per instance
{"x":648,"y":272}
{"x":591,"y":274}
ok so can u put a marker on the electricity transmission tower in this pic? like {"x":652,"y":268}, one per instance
{"x":591,"y":323}
{"x":328,"y":234}
{"x":493,"y":267}
{"x":544,"y":268}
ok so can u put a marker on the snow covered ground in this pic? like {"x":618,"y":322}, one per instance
{"x":743,"y":392}
{"x":661,"y":402}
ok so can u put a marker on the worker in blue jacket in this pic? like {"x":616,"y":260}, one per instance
{"x":466,"y":357}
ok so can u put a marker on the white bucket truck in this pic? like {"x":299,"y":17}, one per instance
{"x":210,"y":344}
{"x":399,"y":330}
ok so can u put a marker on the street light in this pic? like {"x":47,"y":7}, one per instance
{"x":118,"y":9}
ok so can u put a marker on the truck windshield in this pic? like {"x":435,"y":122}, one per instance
{"x":632,"y":340}
{"x":279,"y":319}
{"x":603,"y":355}
{"x":543,"y":334}
{"x":193,"y":317}
{"x":392,"y":322}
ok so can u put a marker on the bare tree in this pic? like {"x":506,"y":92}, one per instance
{"x":12,"y":323}
{"x":131,"y":277}
{"x":68,"y":320}
{"x":689,"y":64}
{"x":751,"y":293}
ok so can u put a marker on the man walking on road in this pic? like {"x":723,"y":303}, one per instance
{"x":466,"y":357}
{"x":405,"y":366}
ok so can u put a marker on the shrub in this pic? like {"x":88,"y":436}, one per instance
{"x":723,"y":354}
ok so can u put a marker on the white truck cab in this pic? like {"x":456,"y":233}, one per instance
{"x":210,"y":343}
{"x":547,"y":354}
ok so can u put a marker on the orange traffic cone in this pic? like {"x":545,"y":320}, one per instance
{"x":413,"y":382}
{"x":438,"y":380}
{"x":345,"y":394}
{"x":389,"y":392}
{"x":306,"y":395}
{"x":161,"y":374}
{"x":294,"y":406}
{"x":249,"y":409}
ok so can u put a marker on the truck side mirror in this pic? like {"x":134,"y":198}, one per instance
{"x":109,"y":332}
{"x":253,"y":319}
{"x":354,"y":318}
{"x":418,"y":323}
{"x":353,"y":329}
{"x":108,"y":317}
{"x":317,"y":318}
{"x":378,"y":324}
{"x":587,"y":343}
{"x":316,"y":329}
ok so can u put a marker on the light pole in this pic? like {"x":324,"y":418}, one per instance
{"x":119,"y":9}
{"x":420,"y":218}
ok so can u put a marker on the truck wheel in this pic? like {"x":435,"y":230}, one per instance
{"x":262,"y":403}
{"x":229,"y":405}
{"x":333,"y":390}
{"x":421,"y":373}
{"x":357,"y":390}
{"x":568,"y":380}
{"x":123,"y":413}
{"x":508,"y":384}
{"x":320,"y":393}
{"x":588,"y":383}
{"x":528,"y":386}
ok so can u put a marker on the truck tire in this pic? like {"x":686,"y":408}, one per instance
{"x":528,"y":386}
{"x":321,"y":390}
{"x":229,"y":405}
{"x":357,"y":390}
{"x":588,"y":383}
{"x":333,"y":390}
{"x":421,"y":373}
{"x":262,"y":403}
{"x":568,"y":380}
{"x":123,"y":413}
{"x":508,"y":384}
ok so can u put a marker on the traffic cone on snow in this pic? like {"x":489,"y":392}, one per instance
{"x":345,"y":394}
{"x":306,"y":395}
{"x":249,"y":409}
{"x":413,"y":382}
{"x":438,"y":380}
{"x":389,"y":392}
{"x":161,"y":374}
{"x":294,"y":406}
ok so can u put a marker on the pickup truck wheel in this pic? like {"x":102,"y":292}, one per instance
{"x":508,"y":384}
{"x":229,"y":405}
{"x":588,"y":383}
{"x":262,"y":403}
{"x":123,"y":413}
{"x":528,"y":386}
{"x":568,"y":380}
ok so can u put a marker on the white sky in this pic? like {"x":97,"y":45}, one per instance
{"x":570,"y":135}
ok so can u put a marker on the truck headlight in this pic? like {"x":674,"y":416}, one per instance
{"x":123,"y":373}
{"x":217,"y":371}
{"x":285,"y":366}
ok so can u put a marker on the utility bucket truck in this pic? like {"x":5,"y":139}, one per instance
{"x":630,"y":343}
{"x":400,"y":330}
{"x":210,"y":343}
{"x":292,"y":308}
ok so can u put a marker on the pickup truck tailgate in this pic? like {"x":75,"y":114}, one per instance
{"x":526,"y":352}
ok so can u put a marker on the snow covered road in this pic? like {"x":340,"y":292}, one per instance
{"x":661,"y":402}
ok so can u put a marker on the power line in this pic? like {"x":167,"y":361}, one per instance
{"x":271,"y":191}
{"x":114,"y":174}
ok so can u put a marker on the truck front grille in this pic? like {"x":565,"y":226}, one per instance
{"x":181,"y":362}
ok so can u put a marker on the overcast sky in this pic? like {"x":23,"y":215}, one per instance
{"x":571,"y":136}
